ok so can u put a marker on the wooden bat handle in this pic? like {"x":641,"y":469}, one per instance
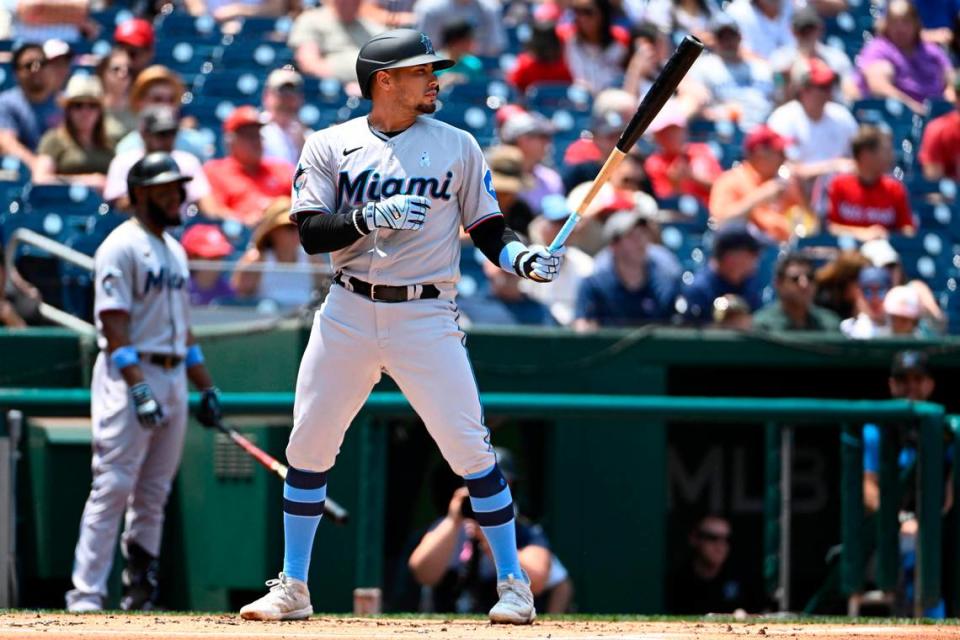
{"x":613,"y":161}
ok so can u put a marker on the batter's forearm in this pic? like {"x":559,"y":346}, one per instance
{"x":326,"y":232}
{"x":116,"y":329}
{"x":491,"y":236}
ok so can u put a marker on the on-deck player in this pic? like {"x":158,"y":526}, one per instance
{"x":139,"y":389}
{"x":386,"y":195}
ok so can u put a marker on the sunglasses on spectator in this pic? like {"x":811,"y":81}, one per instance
{"x":120,"y":68}
{"x":584,"y":11}
{"x":160,"y":98}
{"x":795,"y":278}
{"x":164,"y":134}
{"x":712,"y":536}
{"x":32,"y":66}
{"x":79,"y":106}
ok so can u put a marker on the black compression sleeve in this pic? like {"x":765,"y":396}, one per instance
{"x":492,"y":235}
{"x":325,"y":232}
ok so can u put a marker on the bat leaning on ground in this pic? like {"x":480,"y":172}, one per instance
{"x":331,"y":508}
{"x":661,"y":90}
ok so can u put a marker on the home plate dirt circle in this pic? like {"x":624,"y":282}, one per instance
{"x":20,"y":625}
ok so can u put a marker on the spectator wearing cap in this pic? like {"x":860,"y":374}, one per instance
{"x":725,"y":85}
{"x":561,"y":296}
{"x":765,"y":24}
{"x":808,"y":44}
{"x":869,"y":204}
{"x":136,"y":37}
{"x":679,"y":167}
{"x":159,"y":86}
{"x":871,"y":320}
{"x":491,"y":38}
{"x":283,"y":270}
{"x":459,"y":43}
{"x":610,"y":113}
{"x":880,"y":253}
{"x":898,"y":64}
{"x":759,"y":191}
{"x":79,"y":150}
{"x":532,"y":134}
{"x":541,"y":61}
{"x":634,"y":284}
{"x":158,"y":128}
{"x":510,"y":179}
{"x":595,"y":48}
{"x":612,"y":197}
{"x":225,"y":10}
{"x":29,"y":109}
{"x":206,"y":242}
{"x":939,"y":155}
{"x":910,"y":379}
{"x":245,"y":182}
{"x":819,"y":130}
{"x":794,"y":309}
{"x":327,"y":40}
{"x":114,"y":72}
{"x":732,"y":269}
{"x":284,"y":134}
{"x":902,"y":306}
{"x":59,"y":60}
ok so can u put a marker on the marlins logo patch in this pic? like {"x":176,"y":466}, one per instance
{"x":299,"y":180}
{"x":488,"y":184}
{"x":425,"y":41}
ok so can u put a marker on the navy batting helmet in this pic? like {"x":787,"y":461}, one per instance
{"x":393,"y":49}
{"x":154,"y":169}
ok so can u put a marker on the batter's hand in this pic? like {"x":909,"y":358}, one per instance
{"x":210,"y":413}
{"x":149,"y":412}
{"x":401,"y":213}
{"x":537,"y":264}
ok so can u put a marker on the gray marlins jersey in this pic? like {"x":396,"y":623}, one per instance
{"x":147,"y":277}
{"x":350,"y":164}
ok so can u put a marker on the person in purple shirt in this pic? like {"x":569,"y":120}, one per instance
{"x":899,"y":64}
{"x":532,"y":133}
{"x":207,"y":242}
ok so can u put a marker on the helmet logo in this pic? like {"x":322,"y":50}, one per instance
{"x":425,"y":41}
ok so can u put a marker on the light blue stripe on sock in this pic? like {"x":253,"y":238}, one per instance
{"x":304,"y":495}
{"x":480,"y":474}
{"x":492,"y":503}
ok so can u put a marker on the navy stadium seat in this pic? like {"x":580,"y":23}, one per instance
{"x":62,"y":198}
{"x":264,"y":57}
{"x":476,"y":120}
{"x":547,"y":97}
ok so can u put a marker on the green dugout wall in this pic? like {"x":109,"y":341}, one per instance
{"x":601,"y":488}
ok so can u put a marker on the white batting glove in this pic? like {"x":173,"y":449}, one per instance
{"x":400,"y":212}
{"x":537,"y":264}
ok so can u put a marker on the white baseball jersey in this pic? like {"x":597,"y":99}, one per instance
{"x":137,"y":272}
{"x":350,"y":164}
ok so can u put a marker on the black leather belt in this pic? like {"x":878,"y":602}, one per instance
{"x":161,"y":359}
{"x":387,"y":293}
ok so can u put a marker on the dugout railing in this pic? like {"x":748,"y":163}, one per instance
{"x":780,"y":418}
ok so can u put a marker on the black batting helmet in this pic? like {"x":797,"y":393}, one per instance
{"x":154,"y":169}
{"x":393,"y":49}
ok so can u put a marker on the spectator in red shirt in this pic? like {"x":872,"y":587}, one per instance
{"x":679,"y":167}
{"x":869,"y":204}
{"x":245,"y":182}
{"x":542,"y":61}
{"x":940,"y":149}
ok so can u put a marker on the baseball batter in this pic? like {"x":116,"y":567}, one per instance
{"x":139,"y":391}
{"x":387,"y":195}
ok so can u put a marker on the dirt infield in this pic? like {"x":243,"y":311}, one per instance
{"x":22,"y":625}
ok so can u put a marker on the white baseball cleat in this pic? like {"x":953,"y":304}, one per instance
{"x":288,"y":599}
{"x":515,"y":605}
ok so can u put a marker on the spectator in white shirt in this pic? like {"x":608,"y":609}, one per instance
{"x":819,"y":130}
{"x":765,"y":24}
{"x":284,"y":134}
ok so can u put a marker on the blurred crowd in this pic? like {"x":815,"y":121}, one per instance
{"x":802,"y":177}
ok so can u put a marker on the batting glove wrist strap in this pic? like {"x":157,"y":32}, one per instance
{"x":359,"y":222}
{"x":534,"y":262}
{"x":149,"y":413}
{"x":400,"y":213}
{"x":124,"y":357}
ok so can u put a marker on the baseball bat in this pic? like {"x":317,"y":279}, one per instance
{"x":331,"y":508}
{"x":663,"y":87}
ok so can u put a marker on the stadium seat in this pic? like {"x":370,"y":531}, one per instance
{"x":689,"y":213}
{"x":241,"y":87}
{"x":548,"y":97}
{"x":182,"y":26}
{"x":255,"y":28}
{"x":265,"y":57}
{"x":476,"y":120}
{"x":68,"y":198}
